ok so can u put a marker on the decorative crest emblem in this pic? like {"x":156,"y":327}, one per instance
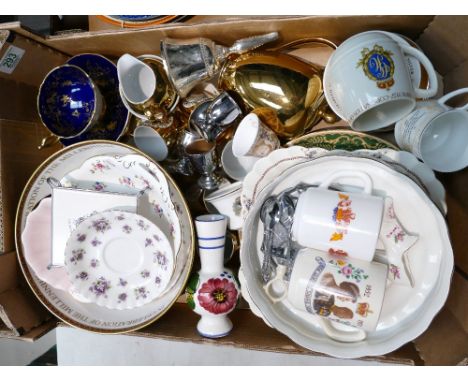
{"x":378,"y":66}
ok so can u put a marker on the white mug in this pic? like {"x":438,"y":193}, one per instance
{"x":436,"y":133}
{"x":339,"y":222}
{"x":342,"y":290}
{"x":368,"y":83}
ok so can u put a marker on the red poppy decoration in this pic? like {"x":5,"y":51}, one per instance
{"x":217,"y":296}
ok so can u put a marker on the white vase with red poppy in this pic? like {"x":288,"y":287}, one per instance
{"x":213,"y":291}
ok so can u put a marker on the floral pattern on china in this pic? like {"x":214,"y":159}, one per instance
{"x":132,"y":174}
{"x":119,"y":260}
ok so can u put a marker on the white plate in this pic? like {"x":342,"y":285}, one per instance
{"x":124,"y":174}
{"x":118,"y":259}
{"x":62,"y":304}
{"x":271,"y":167}
{"x":406,"y":312}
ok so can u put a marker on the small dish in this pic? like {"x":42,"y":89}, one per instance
{"x":236,"y":168}
{"x":119,"y":260}
{"x":103,"y":72}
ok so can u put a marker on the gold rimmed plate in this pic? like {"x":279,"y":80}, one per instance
{"x":62,"y":304}
{"x":341,"y":139}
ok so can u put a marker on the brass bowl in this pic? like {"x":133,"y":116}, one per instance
{"x":282,"y":88}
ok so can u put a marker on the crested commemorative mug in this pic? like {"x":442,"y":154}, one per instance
{"x":336,"y":289}
{"x":344,"y":223}
{"x":368,"y":82}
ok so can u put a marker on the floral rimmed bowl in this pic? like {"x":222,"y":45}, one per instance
{"x":118,"y":260}
{"x":341,"y":139}
{"x":68,"y":101}
{"x":113,"y":119}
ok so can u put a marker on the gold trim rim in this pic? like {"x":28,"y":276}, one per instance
{"x":27,"y":274}
{"x":346,"y":130}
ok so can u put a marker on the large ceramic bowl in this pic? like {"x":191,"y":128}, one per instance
{"x":61,"y":303}
{"x":68,"y":101}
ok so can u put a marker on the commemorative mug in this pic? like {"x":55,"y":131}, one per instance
{"x":375,"y":66}
{"x":339,"y":222}
{"x":436,"y":133}
{"x":336,"y":289}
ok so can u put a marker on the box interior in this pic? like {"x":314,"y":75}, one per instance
{"x":443,"y":39}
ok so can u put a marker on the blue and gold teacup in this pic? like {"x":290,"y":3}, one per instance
{"x":69,"y":103}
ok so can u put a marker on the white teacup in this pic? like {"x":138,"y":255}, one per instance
{"x":150,"y":142}
{"x":436,"y":133}
{"x":339,"y":222}
{"x":368,"y":83}
{"x":345,"y":291}
{"x":254,"y":138}
{"x":226,"y":200}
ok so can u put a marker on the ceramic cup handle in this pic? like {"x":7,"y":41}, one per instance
{"x":421,"y":57}
{"x":340,"y":335}
{"x":450,"y":95}
{"x":277,"y":289}
{"x":366,"y":180}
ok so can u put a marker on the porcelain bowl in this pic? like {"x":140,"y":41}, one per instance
{"x":68,"y":102}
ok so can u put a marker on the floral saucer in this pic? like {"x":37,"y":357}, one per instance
{"x":112,"y":122}
{"x":119,"y":260}
{"x":131,"y":174}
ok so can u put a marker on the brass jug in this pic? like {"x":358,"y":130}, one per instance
{"x":283,"y":90}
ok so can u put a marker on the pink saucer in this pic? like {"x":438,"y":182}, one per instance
{"x":36,"y":239}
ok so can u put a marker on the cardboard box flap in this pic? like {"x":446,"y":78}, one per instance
{"x":446,"y":343}
{"x":445,"y":42}
{"x":21,"y":311}
{"x":115,"y":43}
{"x":456,"y":301}
{"x":25,"y":60}
{"x":9,"y":271}
{"x":249,"y":332}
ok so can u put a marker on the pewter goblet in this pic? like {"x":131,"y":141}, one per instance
{"x":213,"y":117}
{"x":202,"y":155}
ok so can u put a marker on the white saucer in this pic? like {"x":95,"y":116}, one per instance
{"x":119,"y":260}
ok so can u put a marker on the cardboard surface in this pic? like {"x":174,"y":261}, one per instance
{"x":443,"y":38}
{"x":143,"y":41}
{"x":249,"y":332}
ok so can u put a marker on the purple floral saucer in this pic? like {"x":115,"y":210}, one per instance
{"x":119,"y":260}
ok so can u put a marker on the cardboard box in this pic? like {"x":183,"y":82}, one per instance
{"x":443,"y":38}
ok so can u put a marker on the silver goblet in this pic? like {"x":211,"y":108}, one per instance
{"x":202,"y":155}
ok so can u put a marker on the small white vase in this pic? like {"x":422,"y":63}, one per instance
{"x":212,"y":292}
